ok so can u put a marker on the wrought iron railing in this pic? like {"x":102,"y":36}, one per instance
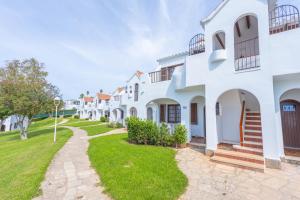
{"x":163,"y":75}
{"x":197,"y":44}
{"x":283,"y":18}
{"x":247,"y":54}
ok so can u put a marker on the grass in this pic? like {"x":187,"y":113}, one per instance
{"x":134,"y":171}
{"x":95,"y":130}
{"x":44,"y":123}
{"x":82,"y":123}
{"x":23,"y":164}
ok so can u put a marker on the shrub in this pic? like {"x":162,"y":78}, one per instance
{"x":180,"y":134}
{"x":67,"y":116}
{"x":103,"y":119}
{"x":76,"y":116}
{"x":147,"y":132}
{"x":111,"y":125}
{"x":118,"y":125}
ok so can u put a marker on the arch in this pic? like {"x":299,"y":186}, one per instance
{"x":167,"y":110}
{"x":133,"y":112}
{"x":136,"y":92}
{"x":219,"y":41}
{"x":290,"y":120}
{"x":246,"y":42}
{"x":149,"y":113}
{"x":238,"y":113}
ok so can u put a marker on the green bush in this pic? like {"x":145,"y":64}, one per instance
{"x":103,"y":119}
{"x":67,"y":116}
{"x":111,"y":125}
{"x":76,"y":116}
{"x":147,"y":132}
{"x":180,"y":134}
{"x":118,"y":125}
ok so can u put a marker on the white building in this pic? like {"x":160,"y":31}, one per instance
{"x":11,"y":124}
{"x":71,"y":104}
{"x":94,"y":108}
{"x":237,"y":88}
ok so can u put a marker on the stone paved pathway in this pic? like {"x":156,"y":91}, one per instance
{"x":113,"y":132}
{"x":70,"y":176}
{"x":211,"y":181}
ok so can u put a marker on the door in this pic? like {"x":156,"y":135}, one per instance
{"x":290,"y":116}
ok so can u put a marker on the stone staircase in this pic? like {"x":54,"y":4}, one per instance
{"x":250,"y":154}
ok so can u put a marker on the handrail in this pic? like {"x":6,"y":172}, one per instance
{"x":242,"y":125}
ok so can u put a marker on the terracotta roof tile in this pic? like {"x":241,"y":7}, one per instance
{"x":102,"y":96}
{"x":88,"y":99}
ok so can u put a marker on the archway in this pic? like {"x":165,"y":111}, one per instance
{"x":133,"y":112}
{"x":246,"y":43}
{"x":149,"y":113}
{"x":290,"y":119}
{"x":197,"y":119}
{"x":238,"y":119}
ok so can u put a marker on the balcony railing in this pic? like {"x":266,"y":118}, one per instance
{"x":247,"y":55}
{"x":164,"y":74}
{"x":284,"y":18}
{"x":197,"y":44}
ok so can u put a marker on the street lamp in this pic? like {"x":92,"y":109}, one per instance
{"x":56,"y":103}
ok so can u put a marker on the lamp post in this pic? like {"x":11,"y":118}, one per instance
{"x":56,"y":103}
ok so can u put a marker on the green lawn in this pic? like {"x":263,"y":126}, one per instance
{"x":44,"y":123}
{"x":24,"y":163}
{"x":81,"y":123}
{"x":134,"y":171}
{"x":95,"y":130}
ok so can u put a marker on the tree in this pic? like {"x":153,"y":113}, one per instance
{"x":25,"y":91}
{"x":81,"y":96}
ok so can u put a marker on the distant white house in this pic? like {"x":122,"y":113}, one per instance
{"x":94,"y":108}
{"x":10,"y":124}
{"x":71,"y":104}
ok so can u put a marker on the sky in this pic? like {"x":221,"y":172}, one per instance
{"x":88,"y":45}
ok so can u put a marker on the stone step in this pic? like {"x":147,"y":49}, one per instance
{"x":256,"y":145}
{"x":238,"y":163}
{"x":253,"y":139}
{"x":252,"y":133}
{"x":256,"y":118}
{"x":197,"y":145}
{"x":249,"y":150}
{"x":252,"y":122}
{"x":240,"y":156}
{"x":252,"y":128}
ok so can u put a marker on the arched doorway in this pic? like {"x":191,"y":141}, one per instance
{"x":239,"y":120}
{"x":149,"y":113}
{"x":290,"y":118}
{"x":133,"y":112}
{"x":197,"y":119}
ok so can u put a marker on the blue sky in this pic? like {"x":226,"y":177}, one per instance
{"x":97,"y":44}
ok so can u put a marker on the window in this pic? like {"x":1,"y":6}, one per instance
{"x":219,"y":41}
{"x":162,"y":115}
{"x":99,"y":101}
{"x":149,"y":114}
{"x":174,"y":113}
{"x":194,"y":112}
{"x":136,"y":92}
{"x":133,"y":112}
{"x":218,"y":111}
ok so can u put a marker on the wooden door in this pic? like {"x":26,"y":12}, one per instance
{"x":290,"y":117}
{"x":162,"y":110}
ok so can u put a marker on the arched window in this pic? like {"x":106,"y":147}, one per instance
{"x":149,"y":113}
{"x":133,"y":112}
{"x":219,"y":41}
{"x":246,"y":43}
{"x":136,"y":92}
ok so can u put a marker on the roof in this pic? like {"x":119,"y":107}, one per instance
{"x":137,"y":74}
{"x":119,"y":89}
{"x":103,"y":96}
{"x":214,"y":13}
{"x":88,"y":99}
{"x":185,"y":53}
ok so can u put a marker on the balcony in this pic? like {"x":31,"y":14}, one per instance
{"x":165,"y":74}
{"x":197,"y":44}
{"x":247,"y":55}
{"x":284,"y":18}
